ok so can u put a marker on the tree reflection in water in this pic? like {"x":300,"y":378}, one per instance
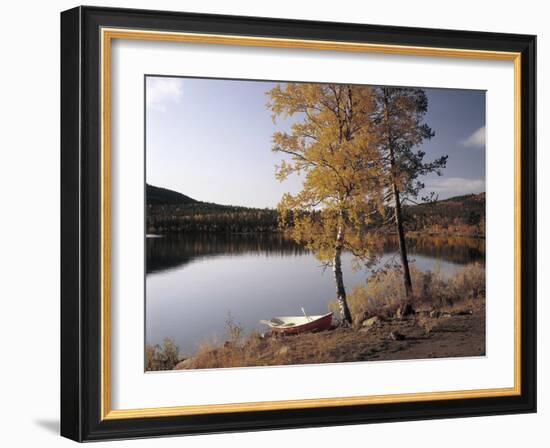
{"x":177,"y":250}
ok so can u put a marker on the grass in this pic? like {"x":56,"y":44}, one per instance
{"x":243,"y":352}
{"x":337,"y":345}
{"x":385,"y":293}
{"x":162,"y":357}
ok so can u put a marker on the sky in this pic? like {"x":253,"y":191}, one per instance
{"x":211,"y":140}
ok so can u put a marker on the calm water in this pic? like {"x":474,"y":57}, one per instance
{"x":194,"y":281}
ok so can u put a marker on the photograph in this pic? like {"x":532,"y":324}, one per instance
{"x":293,"y":223}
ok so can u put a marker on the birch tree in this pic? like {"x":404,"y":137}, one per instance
{"x":332,"y":146}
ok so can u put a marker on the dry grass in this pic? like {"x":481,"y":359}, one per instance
{"x":161,"y":357}
{"x":457,"y":335}
{"x":245,"y":352}
{"x":306,"y":348}
{"x":385,"y":292}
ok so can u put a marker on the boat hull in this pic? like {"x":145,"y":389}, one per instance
{"x":320,"y":324}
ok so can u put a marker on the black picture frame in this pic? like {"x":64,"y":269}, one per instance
{"x":81,"y":224}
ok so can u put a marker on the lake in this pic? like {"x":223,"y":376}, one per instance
{"x":194,"y":282}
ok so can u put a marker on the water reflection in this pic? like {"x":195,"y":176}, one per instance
{"x":456,"y":249}
{"x":177,"y":250}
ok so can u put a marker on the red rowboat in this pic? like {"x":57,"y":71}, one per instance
{"x":299,"y":324}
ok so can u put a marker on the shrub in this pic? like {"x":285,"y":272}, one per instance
{"x":163,"y":357}
{"x":233,"y":330}
{"x":469,"y":283}
{"x":385,"y":292}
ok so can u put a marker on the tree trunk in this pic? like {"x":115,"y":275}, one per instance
{"x":339,"y":278}
{"x":398,"y":215}
{"x":402,"y":243}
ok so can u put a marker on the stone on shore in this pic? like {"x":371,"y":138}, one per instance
{"x":371,"y":322}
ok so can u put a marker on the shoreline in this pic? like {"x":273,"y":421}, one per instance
{"x":409,"y":234}
{"x":424,"y":335}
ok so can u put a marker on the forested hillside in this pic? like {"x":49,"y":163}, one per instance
{"x":463,"y":215}
{"x":169,"y":211}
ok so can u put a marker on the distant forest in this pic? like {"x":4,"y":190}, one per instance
{"x":171,"y":212}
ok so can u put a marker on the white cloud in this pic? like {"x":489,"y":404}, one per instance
{"x":476,"y":140}
{"x":454,"y":186}
{"x":161,"y":91}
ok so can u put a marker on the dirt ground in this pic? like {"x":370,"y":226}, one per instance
{"x":450,"y":334}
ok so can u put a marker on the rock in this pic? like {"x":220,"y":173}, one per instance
{"x":360,"y":319}
{"x":396,"y":336}
{"x":404,"y":311}
{"x":188,"y":363}
{"x":434,"y":314}
{"x":283,"y":351}
{"x":371,"y":322}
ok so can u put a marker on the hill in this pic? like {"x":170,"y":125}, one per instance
{"x":164,"y":196}
{"x":459,"y":215}
{"x":170,"y":211}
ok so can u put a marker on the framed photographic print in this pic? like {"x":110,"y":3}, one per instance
{"x":271,"y":223}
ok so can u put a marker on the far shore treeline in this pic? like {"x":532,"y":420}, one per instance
{"x":169,"y":211}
